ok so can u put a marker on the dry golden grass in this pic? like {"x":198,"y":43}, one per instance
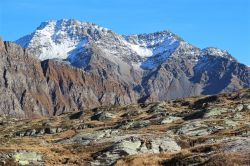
{"x":148,"y":159}
{"x":194,"y":148}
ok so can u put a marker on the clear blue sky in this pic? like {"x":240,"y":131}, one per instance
{"x":219,"y":23}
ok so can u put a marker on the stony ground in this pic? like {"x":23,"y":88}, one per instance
{"x":206,"y":130}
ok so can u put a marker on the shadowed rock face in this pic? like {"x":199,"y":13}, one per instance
{"x":31,"y":88}
{"x":73,"y":89}
{"x":24,"y":91}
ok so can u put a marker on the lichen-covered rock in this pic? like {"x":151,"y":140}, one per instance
{"x":133,"y":124}
{"x":215,"y":112}
{"x":132,"y":146}
{"x":103,"y":116}
{"x":195,"y":128}
{"x":86,"y":138}
{"x":170,"y":119}
{"x":28,"y":158}
{"x":39,"y":131}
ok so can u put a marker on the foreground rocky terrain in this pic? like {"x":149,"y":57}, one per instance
{"x":68,"y":65}
{"x":205,"y":130}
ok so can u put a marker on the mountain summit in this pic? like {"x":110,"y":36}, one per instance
{"x":69,"y":40}
{"x":68,"y":65}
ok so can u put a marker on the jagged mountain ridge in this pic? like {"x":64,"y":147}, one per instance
{"x":83,"y":65}
{"x":66,"y":39}
{"x":60,"y":39}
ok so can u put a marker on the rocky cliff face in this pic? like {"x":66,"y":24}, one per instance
{"x":31,"y":88}
{"x":73,"y":89}
{"x":24,"y":91}
{"x":68,"y":65}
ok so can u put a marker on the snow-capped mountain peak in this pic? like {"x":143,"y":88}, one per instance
{"x":160,"y":44}
{"x":68,"y":39}
{"x":64,"y":39}
{"x":212,"y":51}
{"x":56,"y":39}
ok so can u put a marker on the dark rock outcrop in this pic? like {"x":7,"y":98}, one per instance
{"x":24,"y":90}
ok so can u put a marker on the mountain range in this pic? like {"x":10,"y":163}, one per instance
{"x":68,"y":65}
